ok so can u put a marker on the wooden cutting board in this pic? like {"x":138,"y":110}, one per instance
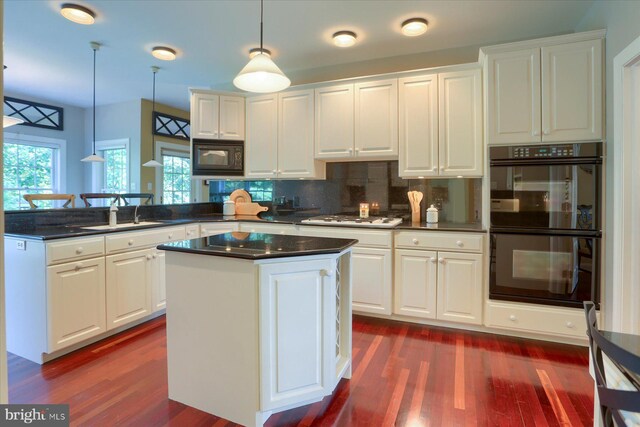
{"x":240,"y":196}
{"x":250,"y":208}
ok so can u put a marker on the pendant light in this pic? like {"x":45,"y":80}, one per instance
{"x":10,"y":121}
{"x":261,"y":74}
{"x":94,"y":157}
{"x":153,"y":163}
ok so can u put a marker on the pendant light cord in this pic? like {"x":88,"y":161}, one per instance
{"x":153,"y":111}
{"x":261,"y":15}
{"x":94,"y":101}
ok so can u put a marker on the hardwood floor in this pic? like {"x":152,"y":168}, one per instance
{"x":404,"y":375}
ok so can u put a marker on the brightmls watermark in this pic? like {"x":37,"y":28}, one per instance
{"x":34,"y":415}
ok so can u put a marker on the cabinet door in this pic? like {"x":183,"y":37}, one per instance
{"x":295,"y":135}
{"x":418,"y":132}
{"x":513,"y":91}
{"x":371,"y":280}
{"x":76,"y":302}
{"x":415,"y":284}
{"x":158,"y":280}
{"x":460,"y":123}
{"x":205,"y":115}
{"x":334,"y":122}
{"x":231,"y":118}
{"x":460,"y":287}
{"x":376,"y":119}
{"x":295,"y":325}
{"x":572,"y":92}
{"x":128,"y":287}
{"x":261,"y":148}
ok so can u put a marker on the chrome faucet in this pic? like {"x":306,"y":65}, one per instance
{"x":136,"y":217}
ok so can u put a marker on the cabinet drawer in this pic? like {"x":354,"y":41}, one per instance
{"x":459,"y":242}
{"x":253,"y":227}
{"x":140,"y":239}
{"x":375,"y":238}
{"x":72,"y":249}
{"x":542,"y":320}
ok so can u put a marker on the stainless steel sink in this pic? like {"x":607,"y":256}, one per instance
{"x":122,"y":225}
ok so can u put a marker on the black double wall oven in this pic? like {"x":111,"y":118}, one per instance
{"x":545,"y":223}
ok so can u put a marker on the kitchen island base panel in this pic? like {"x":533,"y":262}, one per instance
{"x":225,"y":320}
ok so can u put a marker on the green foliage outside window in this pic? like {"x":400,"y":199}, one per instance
{"x":28,"y":169}
{"x":115,"y":170}
{"x":260,"y":191}
{"x":176,"y":179}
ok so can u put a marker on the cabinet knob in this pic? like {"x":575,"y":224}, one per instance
{"x":570,"y":325}
{"x":415,"y":241}
{"x":357,"y":150}
{"x":154,"y":256}
{"x":274,"y":171}
{"x":78,"y":266}
{"x":170,"y":236}
{"x":513,"y":318}
{"x":535,"y":133}
{"x":326,"y":273}
{"x":441,"y":168}
{"x":460,"y":243}
{"x":130,"y":242}
{"x":435,"y":168}
{"x":79,"y":250}
{"x":189,"y":233}
{"x":547,"y":131}
{"x":148,"y":257}
{"x":434,"y":260}
{"x":350,"y":150}
{"x":441,"y":260}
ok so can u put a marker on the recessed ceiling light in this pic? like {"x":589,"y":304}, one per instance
{"x":78,"y":14}
{"x":414,"y":27}
{"x":256,"y":50}
{"x":164,"y":53}
{"x":344,"y":38}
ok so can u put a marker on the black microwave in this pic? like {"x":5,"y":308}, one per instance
{"x":217,"y":157}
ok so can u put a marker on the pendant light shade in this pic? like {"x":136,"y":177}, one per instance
{"x":261,"y":74}
{"x":10,"y":121}
{"x":153,"y":163}
{"x":94,"y":157}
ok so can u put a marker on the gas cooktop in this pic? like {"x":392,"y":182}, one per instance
{"x":349,"y":220}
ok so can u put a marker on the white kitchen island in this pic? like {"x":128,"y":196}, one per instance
{"x":257,"y":323}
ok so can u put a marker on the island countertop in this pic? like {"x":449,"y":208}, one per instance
{"x":257,"y":246}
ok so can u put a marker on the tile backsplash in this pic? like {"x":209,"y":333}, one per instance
{"x":350,"y":183}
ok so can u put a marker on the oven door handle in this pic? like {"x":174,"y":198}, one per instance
{"x":546,"y":232}
{"x":546,"y":161}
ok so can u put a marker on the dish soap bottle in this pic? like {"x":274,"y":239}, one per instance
{"x":432,"y":215}
{"x":113,"y":219}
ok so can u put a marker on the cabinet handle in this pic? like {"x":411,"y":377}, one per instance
{"x":170,"y":236}
{"x":326,"y":273}
{"x":513,"y":318}
{"x":441,"y":168}
{"x":460,"y":243}
{"x":78,"y":266}
{"x":130,"y":242}
{"x":274,"y":171}
{"x":154,"y":256}
{"x":547,"y":131}
{"x":415,"y":241}
{"x":433,"y":260}
{"x":148,"y":257}
{"x":350,"y":150}
{"x":79,"y":250}
{"x":570,"y":325}
{"x":279,"y":171}
{"x":441,"y":260}
{"x":535,"y":133}
{"x":189,"y":233}
{"x":435,"y":168}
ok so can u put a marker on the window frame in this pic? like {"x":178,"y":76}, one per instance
{"x":182,"y":151}
{"x":59,"y":179}
{"x":98,"y":168}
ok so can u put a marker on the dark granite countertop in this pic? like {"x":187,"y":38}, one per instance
{"x":259,"y":245}
{"x":50,"y":232}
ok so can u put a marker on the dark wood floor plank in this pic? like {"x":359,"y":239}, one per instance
{"x":403,"y":375}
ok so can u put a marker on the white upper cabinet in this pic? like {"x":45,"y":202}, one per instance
{"x":280,"y":136}
{"x":295,"y":135}
{"x":217,"y":116}
{"x":418,"y":127}
{"x":460,"y":123}
{"x":513,"y":97}
{"x":231,"y":118}
{"x":547,"y":90}
{"x":376,"y":119}
{"x":572,"y":92}
{"x":261,"y":147}
{"x":205,"y":116}
{"x":334,"y":122}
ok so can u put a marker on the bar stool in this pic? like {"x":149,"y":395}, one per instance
{"x":614,"y":402}
{"x":110,"y":197}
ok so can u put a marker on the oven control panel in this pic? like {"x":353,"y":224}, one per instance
{"x":545,"y":151}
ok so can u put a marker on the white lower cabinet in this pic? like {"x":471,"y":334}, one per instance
{"x":371,"y":280}
{"x":76,"y":302}
{"x":436,"y":283}
{"x":273,"y":228}
{"x":128,"y":287}
{"x":211,"y":228}
{"x":158,"y":280}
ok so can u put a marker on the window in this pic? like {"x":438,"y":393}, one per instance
{"x":32,"y":165}
{"x":173,"y":180}
{"x":112,"y":176}
{"x":260,"y":191}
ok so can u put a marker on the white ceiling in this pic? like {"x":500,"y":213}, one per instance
{"x":50,"y":58}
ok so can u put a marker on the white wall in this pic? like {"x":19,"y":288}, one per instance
{"x":116,"y":121}
{"x":73,"y":133}
{"x":620,"y":19}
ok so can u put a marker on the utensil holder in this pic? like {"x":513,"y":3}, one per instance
{"x":415,"y":217}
